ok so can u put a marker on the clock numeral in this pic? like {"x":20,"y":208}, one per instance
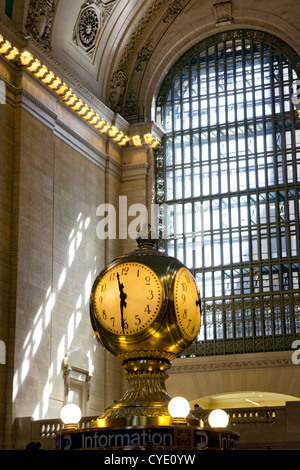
{"x":125,"y":324}
{"x":125,"y":270}
{"x":147,"y":280}
{"x":184,"y":315}
{"x":147,"y":309}
{"x":188,"y":280}
{"x":104,"y":316}
{"x":112,"y":276}
{"x":184,"y":286}
{"x":183,"y":298}
{"x":113,"y":320}
{"x":100,"y":299}
{"x":103,"y":287}
{"x":138,"y":320}
{"x":150,"y":296}
{"x":189,"y":322}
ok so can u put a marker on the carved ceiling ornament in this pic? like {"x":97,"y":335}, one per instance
{"x":118,"y":87}
{"x":90,"y":21}
{"x":223,"y":13}
{"x":40,"y":20}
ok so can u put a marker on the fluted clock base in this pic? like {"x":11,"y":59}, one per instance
{"x":146,"y":399}
{"x":141,"y":420}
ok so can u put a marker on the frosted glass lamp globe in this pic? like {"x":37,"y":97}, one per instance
{"x":70,"y":415}
{"x":179,"y":407}
{"x":218,"y":419}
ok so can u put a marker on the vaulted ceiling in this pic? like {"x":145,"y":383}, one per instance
{"x":121,"y":50}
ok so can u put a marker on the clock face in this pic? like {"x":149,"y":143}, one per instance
{"x":187,"y":304}
{"x":127,"y":298}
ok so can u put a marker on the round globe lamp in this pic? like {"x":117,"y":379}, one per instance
{"x":179,"y":408}
{"x":218,"y":419}
{"x":70,"y":416}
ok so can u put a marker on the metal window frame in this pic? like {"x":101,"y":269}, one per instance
{"x":256,"y":50}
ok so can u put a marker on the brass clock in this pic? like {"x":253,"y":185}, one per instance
{"x":145,"y":301}
{"x":128,"y":298}
{"x":144,"y":309}
{"x":186,"y":302}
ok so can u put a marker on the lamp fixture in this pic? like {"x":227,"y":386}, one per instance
{"x":70,"y":415}
{"x":69,"y":98}
{"x":179,"y":408}
{"x":218,"y":419}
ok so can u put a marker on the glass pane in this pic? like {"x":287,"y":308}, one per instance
{"x":232,"y":162}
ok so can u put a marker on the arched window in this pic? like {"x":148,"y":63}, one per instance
{"x":228,"y":175}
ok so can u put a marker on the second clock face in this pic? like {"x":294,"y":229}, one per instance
{"x":127,"y":298}
{"x":187,"y":304}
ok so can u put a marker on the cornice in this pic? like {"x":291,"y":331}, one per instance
{"x":61,"y":129}
{"x":217,"y":365}
{"x":23,"y":59}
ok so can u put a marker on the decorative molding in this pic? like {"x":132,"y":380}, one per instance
{"x":134,"y":172}
{"x":80,"y":374}
{"x":173,"y":10}
{"x":119,"y":76}
{"x":223,"y":13}
{"x":144,"y":55}
{"x":91,"y":19}
{"x":40,"y":21}
{"x":62,"y":130}
{"x":118,"y":101}
{"x":187,"y":368}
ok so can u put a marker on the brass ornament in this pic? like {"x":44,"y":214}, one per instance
{"x":145,"y":309}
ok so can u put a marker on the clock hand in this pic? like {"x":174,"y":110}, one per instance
{"x":122,"y":300}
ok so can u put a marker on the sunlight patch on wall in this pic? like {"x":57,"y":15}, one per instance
{"x":44,"y":318}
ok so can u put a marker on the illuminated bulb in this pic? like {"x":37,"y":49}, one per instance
{"x":12,"y":54}
{"x":136,"y":140}
{"x":71,"y":100}
{"x":5,"y":47}
{"x":113,"y":132}
{"x":34,"y":66}
{"x":70,"y":415}
{"x":41,"y":72}
{"x":62,"y":88}
{"x":124,"y":141}
{"x":89,"y":115}
{"x":154,"y":144}
{"x":218,"y":419}
{"x":179,"y":408}
{"x":118,"y":137}
{"x":149,"y":138}
{"x":100,"y":123}
{"x":26,"y":58}
{"x":77,"y":104}
{"x":95,"y":119}
{"x":1,"y":38}
{"x":48,"y":78}
{"x":83,"y":110}
{"x":105,"y":128}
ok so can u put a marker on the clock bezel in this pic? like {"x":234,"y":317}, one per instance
{"x":159,"y":303}
{"x":187,"y":337}
{"x":163,"y":335}
{"x":114,"y":341}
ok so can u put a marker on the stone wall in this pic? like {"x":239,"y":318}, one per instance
{"x":54,"y":174}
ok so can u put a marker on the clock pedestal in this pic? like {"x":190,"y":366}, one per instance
{"x":145,"y":309}
{"x":146,"y":399}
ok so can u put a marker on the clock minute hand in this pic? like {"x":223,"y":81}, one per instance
{"x":122,"y":300}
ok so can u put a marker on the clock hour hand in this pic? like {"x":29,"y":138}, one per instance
{"x":122,"y":300}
